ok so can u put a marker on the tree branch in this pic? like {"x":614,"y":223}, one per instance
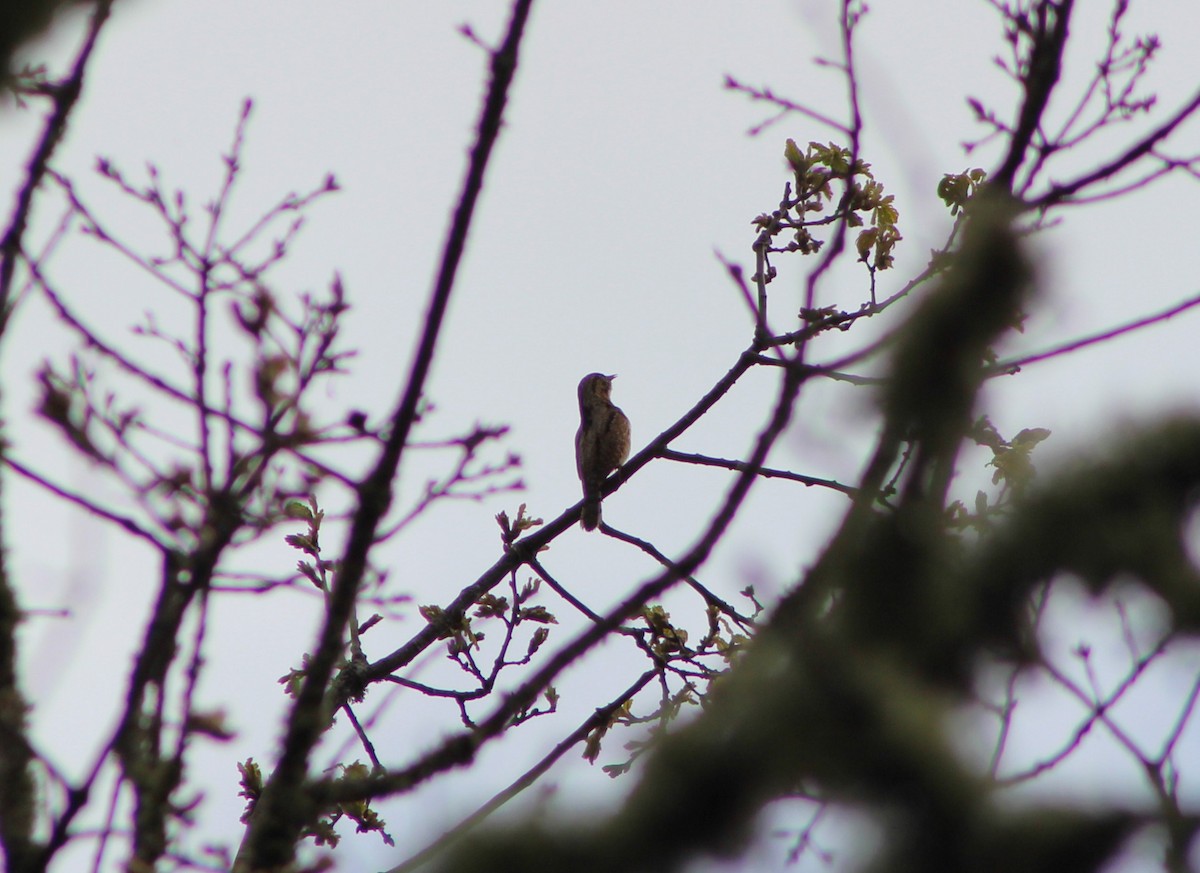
{"x":281,"y":812}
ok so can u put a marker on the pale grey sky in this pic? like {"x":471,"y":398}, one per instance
{"x":623,"y":166}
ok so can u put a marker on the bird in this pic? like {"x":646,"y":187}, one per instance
{"x":601,"y":444}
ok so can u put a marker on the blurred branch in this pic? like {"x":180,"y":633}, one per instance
{"x":65,"y":95}
{"x":85,"y":503}
{"x":17,"y":789}
{"x":1046,"y":28}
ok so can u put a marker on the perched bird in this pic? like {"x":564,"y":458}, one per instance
{"x":602,"y":443}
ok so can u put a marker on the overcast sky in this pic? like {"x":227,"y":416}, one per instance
{"x":624,"y":166}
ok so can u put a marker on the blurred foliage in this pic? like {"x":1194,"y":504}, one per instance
{"x":21,"y":22}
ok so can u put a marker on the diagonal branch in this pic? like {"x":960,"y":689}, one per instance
{"x":1013,"y":365}
{"x":1045,"y":66}
{"x":280,"y":812}
{"x":66,"y":95}
{"x":597,"y":719}
{"x":1065,"y":191}
{"x":461,"y":749}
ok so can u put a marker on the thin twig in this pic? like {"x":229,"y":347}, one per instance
{"x":1013,"y":365}
{"x":765,"y":472}
{"x":597,"y":719}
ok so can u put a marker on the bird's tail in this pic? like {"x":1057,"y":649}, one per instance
{"x":589,"y":517}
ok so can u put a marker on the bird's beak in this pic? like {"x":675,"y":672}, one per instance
{"x":613,"y":376}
